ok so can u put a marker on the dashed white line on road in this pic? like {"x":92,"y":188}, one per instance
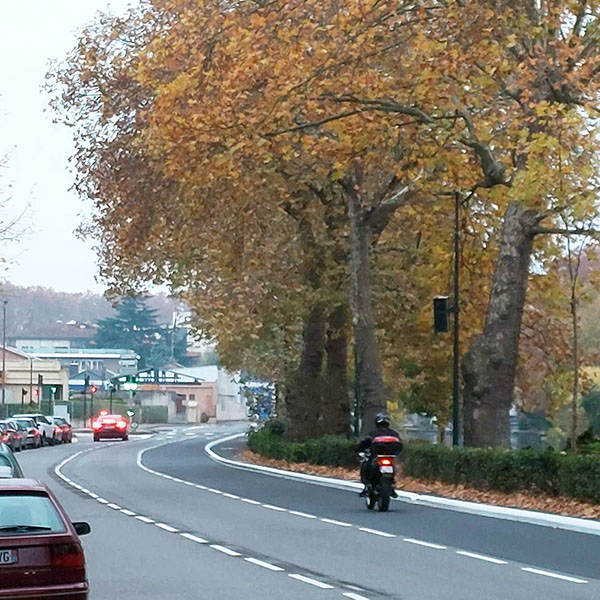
{"x":225,"y":550}
{"x":102,"y":500}
{"x":271,"y":507}
{"x":113,"y":506}
{"x":496,"y":561}
{"x":334,"y":522}
{"x":167,"y":527}
{"x":144,"y":519}
{"x":354,"y":596}
{"x":301,"y":514}
{"x":376,"y":532}
{"x":553,"y":575}
{"x":249,"y":501}
{"x":128,"y":512}
{"x":263,"y":564}
{"x":214,"y":491}
{"x":91,"y":494}
{"x":227,"y":495}
{"x":426,"y":544}
{"x":194,"y":538}
{"x":316,"y":583}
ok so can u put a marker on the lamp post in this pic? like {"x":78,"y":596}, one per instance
{"x":4,"y":407}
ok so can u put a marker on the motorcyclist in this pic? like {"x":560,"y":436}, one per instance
{"x":382,"y":429}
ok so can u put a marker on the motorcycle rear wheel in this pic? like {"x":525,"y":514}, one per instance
{"x":383,"y":498}
{"x":371,"y":499}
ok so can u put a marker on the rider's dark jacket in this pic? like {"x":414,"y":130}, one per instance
{"x":365,"y":443}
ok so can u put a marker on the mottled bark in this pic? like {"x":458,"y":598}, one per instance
{"x":335,"y":406}
{"x":489,"y":366}
{"x":303,"y":400}
{"x":368,"y":364}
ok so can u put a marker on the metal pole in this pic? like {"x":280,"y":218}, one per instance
{"x":30,"y":379}
{"x":112,"y":391}
{"x":456,"y":332}
{"x":4,"y":407}
{"x":84,"y":408}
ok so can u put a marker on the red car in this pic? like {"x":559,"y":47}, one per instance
{"x":40,"y":552}
{"x":110,"y":427}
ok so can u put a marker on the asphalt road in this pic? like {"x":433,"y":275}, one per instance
{"x":169,"y":522}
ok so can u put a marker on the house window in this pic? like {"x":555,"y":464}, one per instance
{"x":192,"y":397}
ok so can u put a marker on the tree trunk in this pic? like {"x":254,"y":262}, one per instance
{"x":303,"y":400}
{"x":371,"y":390}
{"x":335,"y":407}
{"x":489,"y":366}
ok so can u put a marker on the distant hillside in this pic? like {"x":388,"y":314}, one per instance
{"x":39,"y":309}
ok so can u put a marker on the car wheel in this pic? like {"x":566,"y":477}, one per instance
{"x":125,"y":438}
{"x":44,"y":440}
{"x":96,"y":438}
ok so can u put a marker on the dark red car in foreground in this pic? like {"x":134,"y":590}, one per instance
{"x":110,"y":427}
{"x":40,"y":552}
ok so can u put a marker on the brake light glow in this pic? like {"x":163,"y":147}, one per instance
{"x":67,"y":556}
{"x":57,"y":430}
{"x":121,"y":424}
{"x":386,"y":462}
{"x":96,"y":425}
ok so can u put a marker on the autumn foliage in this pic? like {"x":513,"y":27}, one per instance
{"x":289,"y":168}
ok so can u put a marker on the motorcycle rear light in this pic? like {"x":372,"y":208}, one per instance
{"x":386,"y":462}
{"x":68,"y":556}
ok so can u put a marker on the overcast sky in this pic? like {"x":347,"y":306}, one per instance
{"x":31,"y":33}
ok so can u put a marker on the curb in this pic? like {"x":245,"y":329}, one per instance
{"x":520,"y":515}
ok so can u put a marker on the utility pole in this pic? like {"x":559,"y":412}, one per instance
{"x":30,"y":378}
{"x":456,"y":329}
{"x":4,"y":407}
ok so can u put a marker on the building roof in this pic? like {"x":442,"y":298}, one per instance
{"x":84,"y":353}
{"x":57,"y":331}
{"x":207,"y":373}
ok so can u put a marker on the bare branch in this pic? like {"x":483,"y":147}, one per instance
{"x":314,"y":123}
{"x":595,"y":233}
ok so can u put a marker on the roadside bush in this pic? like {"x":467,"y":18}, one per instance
{"x":529,"y":471}
{"x":330,"y":450}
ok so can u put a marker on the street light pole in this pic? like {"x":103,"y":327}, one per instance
{"x":4,"y":407}
{"x":456,"y":328}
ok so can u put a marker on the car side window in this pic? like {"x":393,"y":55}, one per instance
{"x":43,"y":420}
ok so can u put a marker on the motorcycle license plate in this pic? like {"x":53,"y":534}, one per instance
{"x":8,"y":557}
{"x":386,"y":469}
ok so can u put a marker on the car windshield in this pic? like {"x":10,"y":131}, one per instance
{"x":24,"y":514}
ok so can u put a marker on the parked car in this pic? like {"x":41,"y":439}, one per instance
{"x":40,"y":552}
{"x":8,"y":460}
{"x":12,"y":436}
{"x":67,"y":430}
{"x":110,"y":427}
{"x":49,"y":431}
{"x":34,"y":435}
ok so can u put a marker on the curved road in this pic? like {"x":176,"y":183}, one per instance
{"x":169,"y":522}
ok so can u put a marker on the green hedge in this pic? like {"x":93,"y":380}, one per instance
{"x":329,"y":450}
{"x":549,"y":472}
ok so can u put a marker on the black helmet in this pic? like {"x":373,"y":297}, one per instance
{"x":382,"y":420}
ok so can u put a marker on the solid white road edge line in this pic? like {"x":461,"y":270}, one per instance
{"x":263,"y":564}
{"x":319,"y":584}
{"x":553,"y":575}
{"x":486,"y":510}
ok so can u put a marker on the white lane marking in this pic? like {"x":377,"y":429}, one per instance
{"x":227,"y":495}
{"x":93,"y":495}
{"x":167,"y":527}
{"x":553,"y":575}
{"x":144,"y":519}
{"x":496,"y":561}
{"x":194,"y":538}
{"x":334,"y":522}
{"x":224,"y":550}
{"x":271,"y":507}
{"x":128,"y":512}
{"x":354,"y":596}
{"x":190,"y":433}
{"x":102,"y":500}
{"x":426,"y":544}
{"x":301,"y":514}
{"x":113,"y":506}
{"x":263,"y":564}
{"x":319,"y":584}
{"x":376,"y":532}
{"x":214,"y":491}
{"x":249,"y":501}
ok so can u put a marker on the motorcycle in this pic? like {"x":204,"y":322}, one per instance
{"x":381,"y":472}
